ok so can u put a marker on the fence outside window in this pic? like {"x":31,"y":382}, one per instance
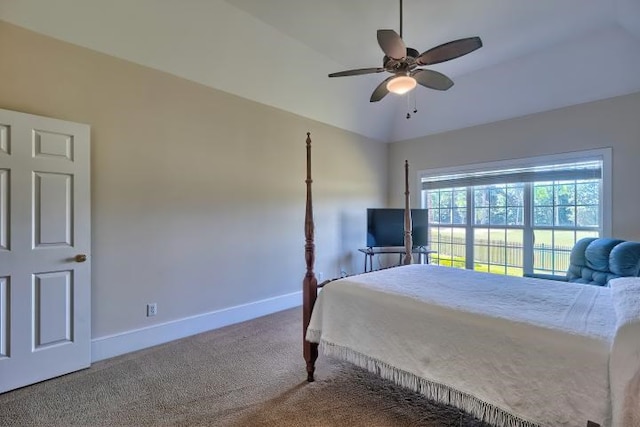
{"x":546,"y":257}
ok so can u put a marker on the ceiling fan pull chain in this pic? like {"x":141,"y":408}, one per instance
{"x":408,"y":106}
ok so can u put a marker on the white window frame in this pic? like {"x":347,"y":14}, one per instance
{"x":603,"y":154}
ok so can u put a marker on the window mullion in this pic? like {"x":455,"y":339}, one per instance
{"x":528,"y":238}
{"x":469,"y":230}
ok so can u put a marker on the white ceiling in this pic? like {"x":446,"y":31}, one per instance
{"x":537,"y":55}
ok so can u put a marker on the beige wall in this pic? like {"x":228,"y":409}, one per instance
{"x":197,"y":195}
{"x":611,"y":123}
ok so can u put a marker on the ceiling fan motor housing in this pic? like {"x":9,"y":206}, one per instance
{"x":405,"y":64}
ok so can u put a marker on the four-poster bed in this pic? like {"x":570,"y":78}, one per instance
{"x":310,"y":283}
{"x":517,"y":352}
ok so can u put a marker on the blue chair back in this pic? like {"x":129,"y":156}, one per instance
{"x":595,"y":261}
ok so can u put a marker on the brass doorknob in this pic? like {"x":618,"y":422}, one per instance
{"x":80,"y":258}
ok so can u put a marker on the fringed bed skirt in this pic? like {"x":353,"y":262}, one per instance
{"x":440,"y":393}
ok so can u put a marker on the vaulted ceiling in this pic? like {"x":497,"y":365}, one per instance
{"x":537,"y":55}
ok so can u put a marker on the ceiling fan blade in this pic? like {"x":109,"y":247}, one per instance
{"x":391,"y":44}
{"x":381,"y":91}
{"x":432,"y":79}
{"x":451,"y":50}
{"x":357,"y":72}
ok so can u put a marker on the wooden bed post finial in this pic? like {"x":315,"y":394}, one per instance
{"x":310,"y":283}
{"x":408,"y":239}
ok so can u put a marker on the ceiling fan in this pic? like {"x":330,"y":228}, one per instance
{"x":404,"y":62}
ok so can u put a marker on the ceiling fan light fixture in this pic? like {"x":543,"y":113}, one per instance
{"x":401,"y":84}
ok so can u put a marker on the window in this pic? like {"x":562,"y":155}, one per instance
{"x":563,"y":213}
{"x":498,"y":216}
{"x":447,"y":219}
{"x":513,"y":218}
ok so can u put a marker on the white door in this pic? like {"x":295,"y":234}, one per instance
{"x":45,"y":274}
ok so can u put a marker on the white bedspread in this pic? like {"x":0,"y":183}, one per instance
{"x":512,"y":351}
{"x":625,"y":353}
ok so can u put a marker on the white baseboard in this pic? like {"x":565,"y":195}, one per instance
{"x":137,"y":339}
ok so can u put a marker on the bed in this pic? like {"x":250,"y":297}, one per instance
{"x":518,"y":352}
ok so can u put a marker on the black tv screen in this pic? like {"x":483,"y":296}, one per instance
{"x":385,"y":227}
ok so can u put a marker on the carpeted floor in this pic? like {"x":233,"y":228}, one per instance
{"x":249,"y":374}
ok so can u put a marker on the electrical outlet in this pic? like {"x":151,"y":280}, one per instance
{"x":320,"y":276}
{"x":152,"y":309}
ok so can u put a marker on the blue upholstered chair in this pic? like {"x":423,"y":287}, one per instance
{"x":595,"y":261}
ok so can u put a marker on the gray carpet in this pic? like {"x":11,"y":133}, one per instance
{"x":249,"y":374}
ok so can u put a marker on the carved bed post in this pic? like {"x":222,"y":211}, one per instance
{"x":309,"y":284}
{"x":408,"y":240}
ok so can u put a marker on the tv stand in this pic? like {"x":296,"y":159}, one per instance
{"x":422,"y":252}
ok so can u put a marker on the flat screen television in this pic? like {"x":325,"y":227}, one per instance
{"x":385,"y":227}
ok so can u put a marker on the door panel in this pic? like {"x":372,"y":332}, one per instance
{"x":48,"y":144}
{"x":45,"y":295}
{"x":4,"y":139}
{"x":4,"y":317}
{"x":4,"y":209}
{"x":52,"y":209}
{"x":53,"y":315}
